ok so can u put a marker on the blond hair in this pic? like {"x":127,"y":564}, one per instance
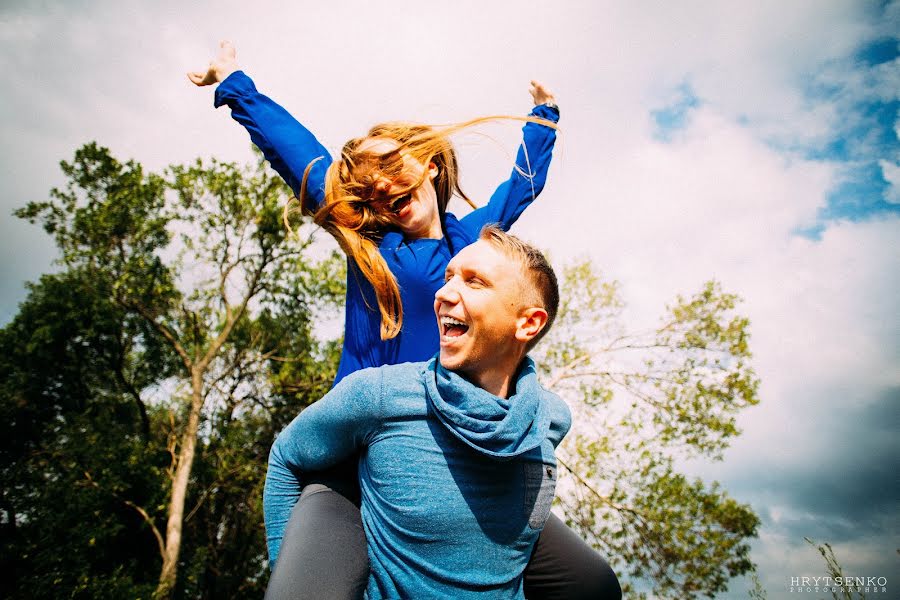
{"x":536,"y":267}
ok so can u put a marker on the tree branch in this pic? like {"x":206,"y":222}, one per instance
{"x":162,"y":329}
{"x":160,"y":542}
{"x":235,"y":316}
{"x":133,"y":392}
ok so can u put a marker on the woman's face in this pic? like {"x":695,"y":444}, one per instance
{"x":416,"y":212}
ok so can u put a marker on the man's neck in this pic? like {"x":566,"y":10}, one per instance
{"x":499,"y":382}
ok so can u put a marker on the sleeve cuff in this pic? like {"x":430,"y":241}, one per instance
{"x":234,"y":86}
{"x":546,"y":111}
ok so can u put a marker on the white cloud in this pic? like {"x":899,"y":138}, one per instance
{"x":891,"y":173}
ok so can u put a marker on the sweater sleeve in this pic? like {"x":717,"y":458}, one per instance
{"x":288,"y":146}
{"x":514,"y":195}
{"x":329,"y":431}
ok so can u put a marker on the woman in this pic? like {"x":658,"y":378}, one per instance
{"x":385,"y":202}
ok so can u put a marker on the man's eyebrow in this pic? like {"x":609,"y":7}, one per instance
{"x":478,"y":273}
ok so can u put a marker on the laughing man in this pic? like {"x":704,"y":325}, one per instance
{"x":457,"y":466}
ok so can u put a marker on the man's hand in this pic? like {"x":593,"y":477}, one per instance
{"x":223,"y":65}
{"x":540,"y":94}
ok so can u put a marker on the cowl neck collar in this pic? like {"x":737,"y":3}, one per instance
{"x":497,"y":427}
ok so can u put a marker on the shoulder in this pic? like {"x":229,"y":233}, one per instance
{"x":462,"y":233}
{"x":401,"y":389}
{"x":362,"y":378}
{"x":559,"y":413}
{"x":404,"y":377}
{"x":360,"y":387}
{"x":374,"y":380}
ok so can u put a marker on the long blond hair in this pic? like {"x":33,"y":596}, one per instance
{"x":357,"y":225}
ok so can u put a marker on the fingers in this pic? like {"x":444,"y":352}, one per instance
{"x":540,"y":93}
{"x":227,"y":50}
{"x":196,"y":78}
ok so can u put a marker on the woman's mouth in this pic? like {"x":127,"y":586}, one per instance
{"x":400,"y":206}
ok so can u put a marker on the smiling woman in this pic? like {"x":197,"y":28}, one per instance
{"x":396,"y":257}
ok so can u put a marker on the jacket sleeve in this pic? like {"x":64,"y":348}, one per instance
{"x":288,"y":146}
{"x":329,"y":431}
{"x":527,"y":179}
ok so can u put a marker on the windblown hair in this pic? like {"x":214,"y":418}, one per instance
{"x":350,"y":211}
{"x":540,"y":274}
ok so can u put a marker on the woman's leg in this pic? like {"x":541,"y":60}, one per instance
{"x":323,"y":553}
{"x":564,"y":567}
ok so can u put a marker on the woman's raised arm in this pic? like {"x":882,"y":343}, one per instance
{"x":288,"y":146}
{"x":514,"y":195}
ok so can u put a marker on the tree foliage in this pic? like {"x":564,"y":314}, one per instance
{"x":77,"y":446}
{"x":643,"y":402}
{"x":171,"y":339}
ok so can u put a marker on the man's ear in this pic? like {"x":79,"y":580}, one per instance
{"x":530,"y":323}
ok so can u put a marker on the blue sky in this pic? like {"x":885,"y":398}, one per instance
{"x":756,"y":143}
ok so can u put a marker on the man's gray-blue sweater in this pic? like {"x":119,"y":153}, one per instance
{"x":456,"y":482}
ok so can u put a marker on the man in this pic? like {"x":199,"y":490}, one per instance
{"x":457,"y":465}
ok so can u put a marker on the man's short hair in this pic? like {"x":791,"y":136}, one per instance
{"x":535,"y":264}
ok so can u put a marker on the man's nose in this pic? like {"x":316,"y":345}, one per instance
{"x":447,"y":293}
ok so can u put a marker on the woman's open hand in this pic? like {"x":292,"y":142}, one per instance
{"x":220,"y":67}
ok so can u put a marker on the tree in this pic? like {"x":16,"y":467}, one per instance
{"x":77,"y":444}
{"x":642,"y":401}
{"x":198,"y":263}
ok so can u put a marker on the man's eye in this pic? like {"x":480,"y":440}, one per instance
{"x":475,"y":282}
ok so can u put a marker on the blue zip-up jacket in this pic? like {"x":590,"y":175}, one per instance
{"x":456,"y":482}
{"x":418,"y":265}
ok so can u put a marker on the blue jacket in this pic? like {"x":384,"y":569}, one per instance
{"x":456,"y":483}
{"x":418,"y":265}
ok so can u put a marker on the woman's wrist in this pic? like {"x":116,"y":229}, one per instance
{"x":224,"y":73}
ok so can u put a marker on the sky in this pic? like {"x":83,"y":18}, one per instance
{"x":754,"y":142}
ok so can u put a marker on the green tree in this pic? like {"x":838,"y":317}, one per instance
{"x":641,"y":402}
{"x":78,"y":457}
{"x":199,"y":264}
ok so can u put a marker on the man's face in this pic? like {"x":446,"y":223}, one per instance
{"x":479,"y":311}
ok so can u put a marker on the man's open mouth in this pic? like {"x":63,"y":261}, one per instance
{"x":451,"y":327}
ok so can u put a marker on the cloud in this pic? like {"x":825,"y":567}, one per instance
{"x":891,"y":173}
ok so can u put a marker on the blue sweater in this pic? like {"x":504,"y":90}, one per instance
{"x":456,"y":483}
{"x":418,"y":265}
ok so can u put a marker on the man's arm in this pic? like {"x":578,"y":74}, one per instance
{"x":331,"y":430}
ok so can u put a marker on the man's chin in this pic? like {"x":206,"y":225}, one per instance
{"x":449,"y":361}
